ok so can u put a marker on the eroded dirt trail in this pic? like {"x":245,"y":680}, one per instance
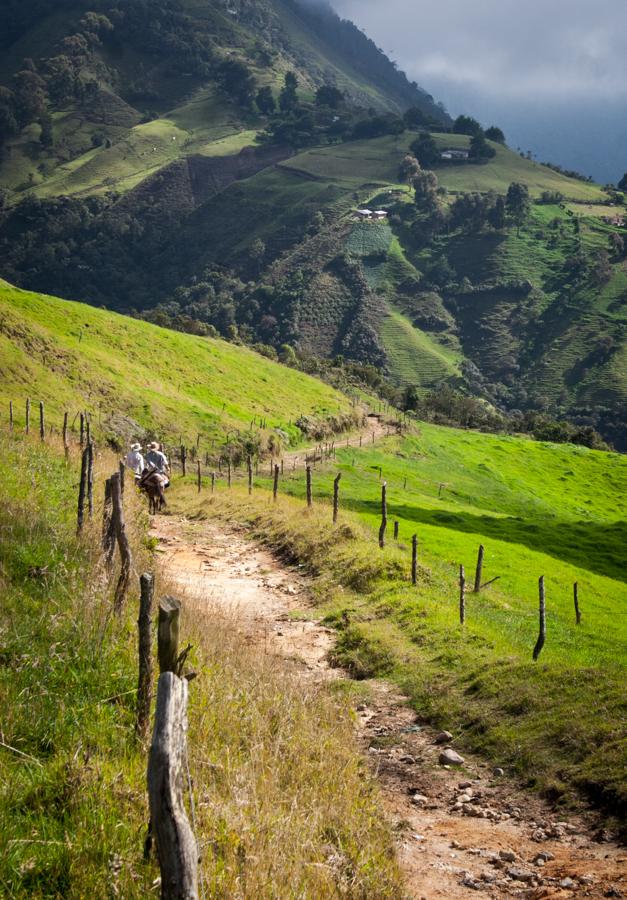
{"x":460,"y":829}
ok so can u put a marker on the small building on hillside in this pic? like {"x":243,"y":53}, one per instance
{"x":452,"y":155}
{"x":380,"y":214}
{"x":364,"y":213}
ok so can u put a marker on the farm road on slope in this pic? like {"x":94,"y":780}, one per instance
{"x":459,"y":830}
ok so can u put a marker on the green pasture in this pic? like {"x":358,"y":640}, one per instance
{"x":74,"y":356}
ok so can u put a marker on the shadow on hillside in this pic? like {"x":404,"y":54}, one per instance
{"x":594,"y":546}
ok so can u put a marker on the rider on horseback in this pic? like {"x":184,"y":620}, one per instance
{"x":158,"y":462}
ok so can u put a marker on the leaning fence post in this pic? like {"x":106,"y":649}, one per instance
{"x":414,"y":559}
{"x":542,"y":635}
{"x":199,"y":478}
{"x":108,"y":525}
{"x":125,"y":549}
{"x":250,"y":475}
{"x":27,"y":427}
{"x":90,"y":479}
{"x":82,"y":490}
{"x":275,"y":487}
{"x":336,"y":496}
{"x":168,"y":633}
{"x":167,"y":762}
{"x":144,"y":647}
{"x":384,"y":514}
{"x":395,"y":530}
{"x":576,"y":599}
{"x":309,"y":497}
{"x":479,"y":569}
{"x":42,"y":421}
{"x":462,"y":595}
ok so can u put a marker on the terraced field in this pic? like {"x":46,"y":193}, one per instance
{"x":414,"y":357}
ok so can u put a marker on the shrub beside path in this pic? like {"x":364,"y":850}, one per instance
{"x":459,"y":828}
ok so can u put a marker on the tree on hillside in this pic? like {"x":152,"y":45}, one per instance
{"x":330,"y":96}
{"x":480,"y":149}
{"x":466,"y":125}
{"x":30,"y":97}
{"x":237,"y":81}
{"x":266,"y":104}
{"x":426,"y":191}
{"x":425,"y":150}
{"x":288,"y":98}
{"x":518,"y":204}
{"x":493,"y":133}
{"x":496,"y":215}
{"x":408,"y":170}
{"x":415,"y":118}
{"x":8,"y":122}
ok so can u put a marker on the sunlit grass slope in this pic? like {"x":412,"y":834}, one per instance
{"x":76,"y":357}
{"x":539,"y":509}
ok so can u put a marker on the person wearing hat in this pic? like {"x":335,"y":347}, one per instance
{"x":135,"y":460}
{"x":159,"y":461}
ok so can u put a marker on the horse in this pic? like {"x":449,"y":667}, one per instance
{"x":151,"y":483}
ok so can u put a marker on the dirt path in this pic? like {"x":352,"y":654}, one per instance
{"x":460,"y":829}
{"x":375,"y":430}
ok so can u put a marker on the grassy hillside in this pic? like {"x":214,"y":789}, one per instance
{"x":76,"y":357}
{"x":539,"y":509}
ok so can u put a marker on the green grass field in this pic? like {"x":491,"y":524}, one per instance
{"x":540,"y":510}
{"x":75,"y":357}
{"x":414,"y":357}
{"x":376,"y":162}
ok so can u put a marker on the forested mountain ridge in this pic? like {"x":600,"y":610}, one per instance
{"x":201,"y":164}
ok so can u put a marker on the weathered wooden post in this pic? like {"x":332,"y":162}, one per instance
{"x":250,"y":476}
{"x":395,"y":531}
{"x":82,"y":429}
{"x":542,"y":634}
{"x":87,"y":428}
{"x":122,"y":473}
{"x":213,"y":482}
{"x":82,"y":490}
{"x":27,"y":424}
{"x":373,"y":437}
{"x":123,"y":543}
{"x":65,"y":442}
{"x":90,"y":479}
{"x":177,"y":850}
{"x":184,"y":460}
{"x":405,"y":483}
{"x":108,"y":525}
{"x":199,"y":477}
{"x":144,"y":647}
{"x":361,"y":437}
{"x":275,"y":487}
{"x":336,"y":496}
{"x":576,"y":599}
{"x":462,"y":595}
{"x":414,"y":559}
{"x":308,"y":479}
{"x":168,"y":634}
{"x":228,"y":469}
{"x":380,"y":472}
{"x":384,"y":515}
{"x":479,"y":569}
{"x":11,"y":415}
{"x":42,"y":421}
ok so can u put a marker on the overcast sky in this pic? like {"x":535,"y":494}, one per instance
{"x":491,"y":57}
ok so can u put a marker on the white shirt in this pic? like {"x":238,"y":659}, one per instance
{"x":135,"y":462}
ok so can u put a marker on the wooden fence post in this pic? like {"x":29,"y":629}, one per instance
{"x":336,"y":496}
{"x":199,"y":478}
{"x":250,"y":476}
{"x":108,"y":525}
{"x":11,"y":415}
{"x":275,"y":487}
{"x":122,"y":472}
{"x":168,"y":634}
{"x":90,"y":479}
{"x":414,"y":559}
{"x":82,"y":427}
{"x":229,"y":472}
{"x":144,"y":647}
{"x":87,"y":428}
{"x":384,"y":514}
{"x":42,"y":421}
{"x":542,"y":635}
{"x":65,"y":443}
{"x":82,"y":490}
{"x":213,"y":482}
{"x":308,"y":478}
{"x":125,"y":549}
{"x":395,"y":531}
{"x":184,"y":460}
{"x":576,"y":599}
{"x":27,"y":427}
{"x":462,"y":595}
{"x":176,"y":845}
{"x":479,"y":569}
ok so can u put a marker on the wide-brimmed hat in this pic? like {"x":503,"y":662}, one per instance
{"x":153,"y":446}
{"x":136,"y":447}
